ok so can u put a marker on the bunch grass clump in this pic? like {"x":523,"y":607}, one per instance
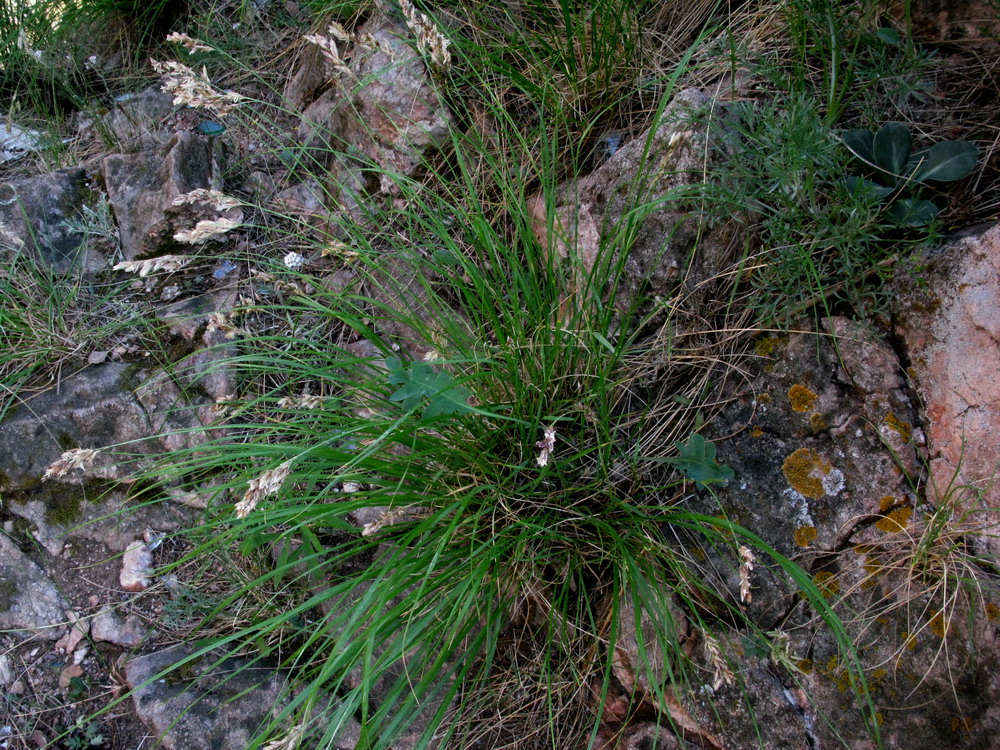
{"x":453,"y":481}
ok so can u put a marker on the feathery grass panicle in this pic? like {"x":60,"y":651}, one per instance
{"x":77,"y":458}
{"x":195,"y":90}
{"x":145,"y":267}
{"x":263,"y":486}
{"x":206,"y":229}
{"x":430,"y":40}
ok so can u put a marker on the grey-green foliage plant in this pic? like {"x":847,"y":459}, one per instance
{"x":902,"y":172}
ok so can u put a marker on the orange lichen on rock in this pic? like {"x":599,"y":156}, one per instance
{"x":827,"y":583}
{"x":896,"y":520}
{"x":804,"y":535}
{"x":894,"y":423}
{"x":804,"y":469}
{"x":937,"y":623}
{"x":756,"y":432}
{"x":801,"y":398}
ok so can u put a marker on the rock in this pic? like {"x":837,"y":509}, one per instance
{"x":384,"y":114}
{"x":28,"y":598}
{"x":649,"y":735}
{"x":108,"y":627}
{"x":139,"y":121}
{"x":309,"y":77}
{"x":948,"y":317}
{"x":214,"y":700}
{"x":142,"y":188}
{"x":79,"y":630}
{"x":66,"y":675}
{"x":968,"y":24}
{"x":6,"y":671}
{"x":33,"y":212}
{"x":112,"y":518}
{"x":812,"y":454}
{"x":306,"y":201}
{"x":137,"y":567}
{"x":592,"y":213}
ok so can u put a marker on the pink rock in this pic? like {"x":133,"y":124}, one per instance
{"x":952,"y":333}
{"x":137,"y":566}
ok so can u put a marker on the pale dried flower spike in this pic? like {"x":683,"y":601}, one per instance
{"x":77,"y":458}
{"x":268,"y":483}
{"x":168,"y":263}
{"x":747,"y":561}
{"x":206,"y":230}
{"x":547,"y":444}
{"x":192,"y":45}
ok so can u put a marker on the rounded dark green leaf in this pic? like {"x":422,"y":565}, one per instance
{"x":948,"y":161}
{"x":859,"y":143}
{"x":888,"y":35}
{"x":892,"y":145}
{"x":910,"y":212}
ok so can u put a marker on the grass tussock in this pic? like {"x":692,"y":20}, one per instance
{"x":450,"y":494}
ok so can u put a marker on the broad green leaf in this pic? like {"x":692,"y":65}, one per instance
{"x":892,"y":145}
{"x":948,"y":161}
{"x":888,"y":35}
{"x":910,"y":212}
{"x":696,"y":460}
{"x":859,"y":143}
{"x":421,"y":381}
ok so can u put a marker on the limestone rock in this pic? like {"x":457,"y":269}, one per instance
{"x":108,"y":627}
{"x":384,"y":114}
{"x":211,"y":701}
{"x":33,"y":212}
{"x":137,"y":567}
{"x":614,"y":206}
{"x":143,"y":186}
{"x":140,"y":120}
{"x":28,"y":598}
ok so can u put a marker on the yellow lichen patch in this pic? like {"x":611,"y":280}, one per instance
{"x":903,"y":428}
{"x":804,"y":469}
{"x":886,"y":503}
{"x":992,"y":612}
{"x":805,"y":666}
{"x":763,"y":398}
{"x":827,"y":583}
{"x":938,"y":626}
{"x":879,"y":718}
{"x":766,"y":346}
{"x":804,"y":535}
{"x":909,"y":640}
{"x":873,"y":568}
{"x":895,"y":521}
{"x":818,"y":422}
{"x":801,"y":398}
{"x":756,"y":432}
{"x":962,"y":725}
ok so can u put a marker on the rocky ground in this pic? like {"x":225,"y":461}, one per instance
{"x":865,"y":452}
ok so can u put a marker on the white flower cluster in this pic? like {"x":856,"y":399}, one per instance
{"x":294,"y":261}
